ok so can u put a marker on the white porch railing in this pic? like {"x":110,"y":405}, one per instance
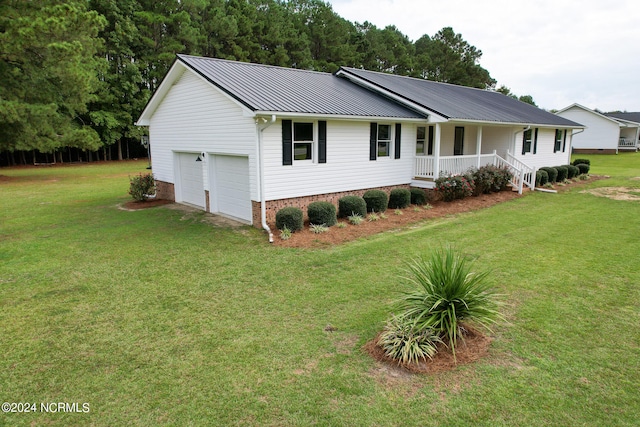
{"x":452,"y":165}
{"x":627,"y":143}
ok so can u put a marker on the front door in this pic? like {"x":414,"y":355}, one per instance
{"x":458,"y":143}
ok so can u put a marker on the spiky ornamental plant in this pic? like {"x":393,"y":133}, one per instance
{"x":448,"y":293}
{"x":403,"y":342}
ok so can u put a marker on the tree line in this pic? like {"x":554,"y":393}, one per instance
{"x":75,"y":75}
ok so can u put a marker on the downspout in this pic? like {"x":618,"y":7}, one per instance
{"x":261,"y":125}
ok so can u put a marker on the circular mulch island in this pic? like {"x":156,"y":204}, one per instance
{"x":474,"y":347}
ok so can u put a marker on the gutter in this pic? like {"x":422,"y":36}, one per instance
{"x":261,"y":125}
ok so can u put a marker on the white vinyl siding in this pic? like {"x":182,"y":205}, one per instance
{"x":600,"y":133}
{"x":196,"y":117}
{"x":544,"y":149}
{"x":348,"y":166}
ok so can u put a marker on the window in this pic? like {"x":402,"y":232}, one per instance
{"x":458,"y":142}
{"x":558,"y":144}
{"x":384,"y":140}
{"x":526,"y":141}
{"x":302,"y":141}
{"x":420,"y":141}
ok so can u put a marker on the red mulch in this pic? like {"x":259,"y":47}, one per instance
{"x":474,"y":346}
{"x":136,"y":205}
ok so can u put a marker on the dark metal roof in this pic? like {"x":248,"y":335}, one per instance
{"x":276,"y":89}
{"x":459,"y":102}
{"x":631,"y":117}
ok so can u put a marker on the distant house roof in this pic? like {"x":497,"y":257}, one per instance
{"x":458,"y":102}
{"x":264,"y":88}
{"x":630,"y":117}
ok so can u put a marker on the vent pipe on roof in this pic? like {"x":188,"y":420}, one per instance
{"x":262,"y":124}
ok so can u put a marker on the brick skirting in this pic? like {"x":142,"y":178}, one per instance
{"x":273,"y":206}
{"x":594,"y":151}
{"x":165,"y":191}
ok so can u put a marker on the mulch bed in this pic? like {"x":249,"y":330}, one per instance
{"x":135,"y":205}
{"x":474,"y":346}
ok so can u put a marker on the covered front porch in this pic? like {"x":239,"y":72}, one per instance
{"x":469,"y":152}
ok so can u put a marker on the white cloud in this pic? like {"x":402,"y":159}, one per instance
{"x":560,"y":52}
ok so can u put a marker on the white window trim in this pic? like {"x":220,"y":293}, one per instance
{"x":314,"y":142}
{"x":390,"y":141}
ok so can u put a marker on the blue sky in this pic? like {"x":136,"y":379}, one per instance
{"x":560,"y":52}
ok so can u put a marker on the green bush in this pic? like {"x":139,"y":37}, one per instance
{"x":403,"y":342}
{"x":584,"y":168}
{"x":552,"y":172}
{"x":454,"y":187}
{"x":322,"y":213}
{"x":573,"y":171}
{"x":376,"y":200}
{"x":289,"y":217}
{"x":142,"y":186}
{"x":577,"y":162}
{"x":448,"y":293}
{"x":563,"y":173}
{"x":349,"y":205}
{"x":399,"y":198}
{"x":542,"y":177}
{"x":503,"y":177}
{"x":418,"y":196}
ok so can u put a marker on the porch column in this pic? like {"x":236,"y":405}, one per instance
{"x":637,"y":135}
{"x":479,"y":145}
{"x":436,"y":152}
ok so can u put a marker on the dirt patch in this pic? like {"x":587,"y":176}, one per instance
{"x":474,"y":346}
{"x":615,"y":193}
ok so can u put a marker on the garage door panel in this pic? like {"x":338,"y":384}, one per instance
{"x":232,"y":189}
{"x":191,"y":180}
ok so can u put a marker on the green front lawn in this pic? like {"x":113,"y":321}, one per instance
{"x":155,"y":317}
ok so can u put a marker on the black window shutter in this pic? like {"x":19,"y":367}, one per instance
{"x":398,"y":137}
{"x":524,"y":142}
{"x":373,"y":141}
{"x":287,"y":143}
{"x":322,"y":142}
{"x":564,"y":141}
{"x":535,"y":142}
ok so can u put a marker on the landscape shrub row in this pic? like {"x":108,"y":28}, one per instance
{"x":484,"y":180}
{"x":353,"y":207}
{"x":552,"y":175}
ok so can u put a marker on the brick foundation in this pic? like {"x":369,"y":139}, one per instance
{"x":206,"y":198}
{"x":165,"y":191}
{"x":273,"y":206}
{"x":594,"y":151}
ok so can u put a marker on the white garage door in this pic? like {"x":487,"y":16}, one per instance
{"x":231,"y":183}
{"x":191,"y":181}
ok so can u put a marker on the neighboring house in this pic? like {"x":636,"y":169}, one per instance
{"x":604,"y":132}
{"x":245,"y":140}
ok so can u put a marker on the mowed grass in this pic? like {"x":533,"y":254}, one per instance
{"x":155,"y":317}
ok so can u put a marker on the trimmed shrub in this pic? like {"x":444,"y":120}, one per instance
{"x":141,"y":186}
{"x":552,"y":172}
{"x":454,"y":187}
{"x":376,"y":200}
{"x":584,"y":168}
{"x":563,"y":173}
{"x":577,"y":162}
{"x":322,"y":213}
{"x":542,"y":177}
{"x":418,"y":196}
{"x":349,"y":205}
{"x":399,"y":198}
{"x":573,"y":171}
{"x":289,"y":217}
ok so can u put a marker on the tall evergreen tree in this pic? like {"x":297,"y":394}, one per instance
{"x":47,"y":74}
